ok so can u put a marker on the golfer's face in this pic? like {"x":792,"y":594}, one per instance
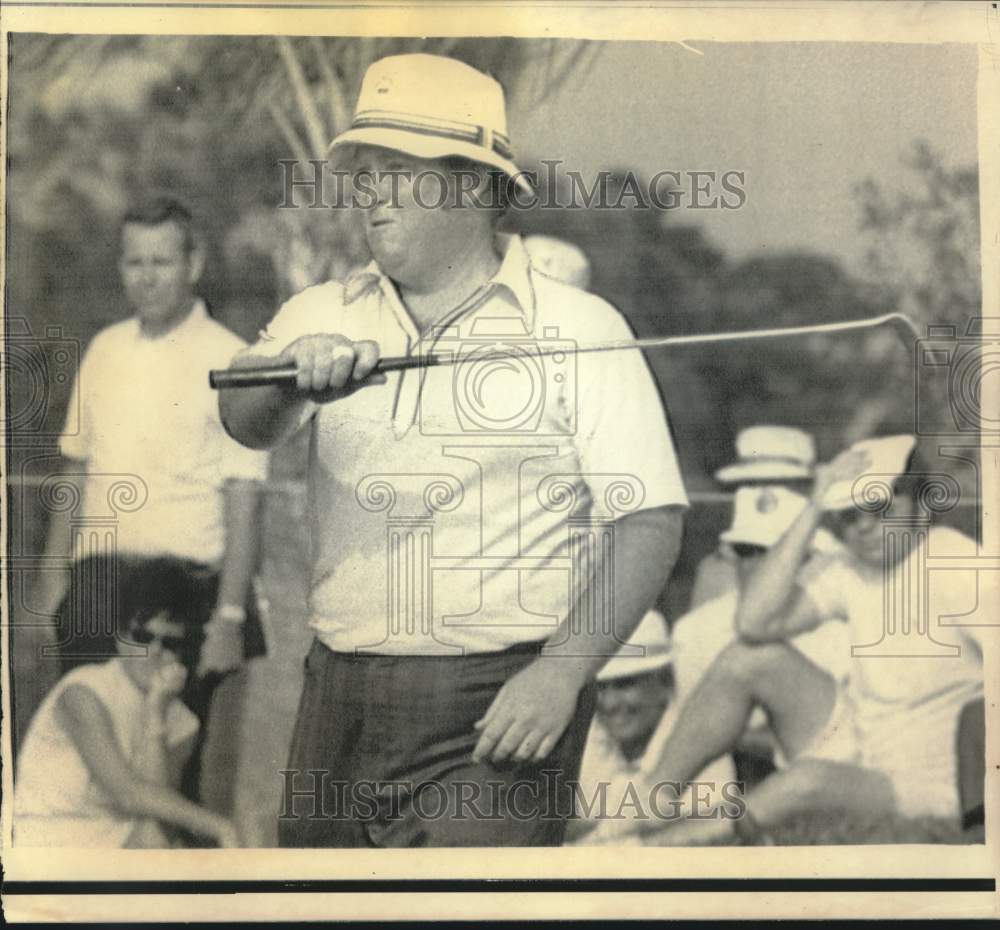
{"x":630,"y":708}
{"x":411,"y":221}
{"x":157,"y":272}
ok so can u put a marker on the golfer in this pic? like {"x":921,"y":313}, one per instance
{"x":461,"y":611}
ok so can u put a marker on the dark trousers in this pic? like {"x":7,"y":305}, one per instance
{"x":971,"y":749}
{"x":90,"y":630}
{"x":381,"y":756}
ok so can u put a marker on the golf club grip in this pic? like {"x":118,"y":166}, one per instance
{"x":274,"y":375}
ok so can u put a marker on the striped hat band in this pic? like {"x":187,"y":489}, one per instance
{"x":460,"y":132}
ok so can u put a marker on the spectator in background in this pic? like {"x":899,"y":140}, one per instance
{"x":884,"y":740}
{"x":559,"y":259}
{"x":766,"y":455}
{"x":637,"y":703}
{"x":146,"y":410}
{"x":103,"y":755}
{"x":760,"y":518}
{"x":761,"y":515}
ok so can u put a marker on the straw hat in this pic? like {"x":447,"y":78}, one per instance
{"x":887,"y":458}
{"x":654,"y":638}
{"x":770,"y":453}
{"x":431,"y":107}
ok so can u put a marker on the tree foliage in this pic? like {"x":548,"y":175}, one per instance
{"x":99,"y":119}
{"x":923,"y":238}
{"x":95,"y":121}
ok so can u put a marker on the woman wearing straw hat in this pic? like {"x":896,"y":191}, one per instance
{"x":454,"y":508}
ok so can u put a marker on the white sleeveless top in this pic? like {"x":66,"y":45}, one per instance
{"x":57,"y":802}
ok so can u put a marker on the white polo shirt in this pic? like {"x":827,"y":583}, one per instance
{"x":146,"y":410}
{"x":451,"y":504}
{"x":907,"y":700}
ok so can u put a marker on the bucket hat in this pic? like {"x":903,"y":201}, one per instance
{"x":653,"y":637}
{"x":770,"y":453}
{"x":887,"y":458}
{"x":430,"y":106}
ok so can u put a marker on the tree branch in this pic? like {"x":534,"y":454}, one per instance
{"x":339,"y":113}
{"x":284,"y":124}
{"x":573,"y":61}
{"x":447,"y":46}
{"x":367,"y":49}
{"x":315,"y":131}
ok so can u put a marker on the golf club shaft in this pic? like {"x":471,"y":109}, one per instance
{"x":286,"y":374}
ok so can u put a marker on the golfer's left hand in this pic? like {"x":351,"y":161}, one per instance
{"x":530,"y":712}
{"x":222,"y":650}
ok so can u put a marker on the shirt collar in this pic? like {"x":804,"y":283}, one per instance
{"x":197,"y":315}
{"x":514,"y":274}
{"x":360,"y":282}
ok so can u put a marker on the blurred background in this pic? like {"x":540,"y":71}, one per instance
{"x":860,"y":175}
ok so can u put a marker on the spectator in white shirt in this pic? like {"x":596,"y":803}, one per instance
{"x":150,"y":449}
{"x":882,"y":740}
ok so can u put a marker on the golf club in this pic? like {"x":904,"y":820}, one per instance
{"x":286,"y":374}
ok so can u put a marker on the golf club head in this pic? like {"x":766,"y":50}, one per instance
{"x":905,"y":328}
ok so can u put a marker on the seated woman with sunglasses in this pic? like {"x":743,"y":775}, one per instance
{"x":103,"y":756}
{"x":882,"y":740}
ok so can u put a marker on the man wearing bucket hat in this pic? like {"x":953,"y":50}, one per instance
{"x":765,"y":455}
{"x":637,"y":705}
{"x":480,"y":687}
{"x":883,"y":739}
{"x":761,"y":515}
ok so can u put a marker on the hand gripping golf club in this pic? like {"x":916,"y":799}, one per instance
{"x":285,"y":375}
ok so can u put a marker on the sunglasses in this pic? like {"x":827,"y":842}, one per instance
{"x":747,"y":550}
{"x":145,"y":637}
